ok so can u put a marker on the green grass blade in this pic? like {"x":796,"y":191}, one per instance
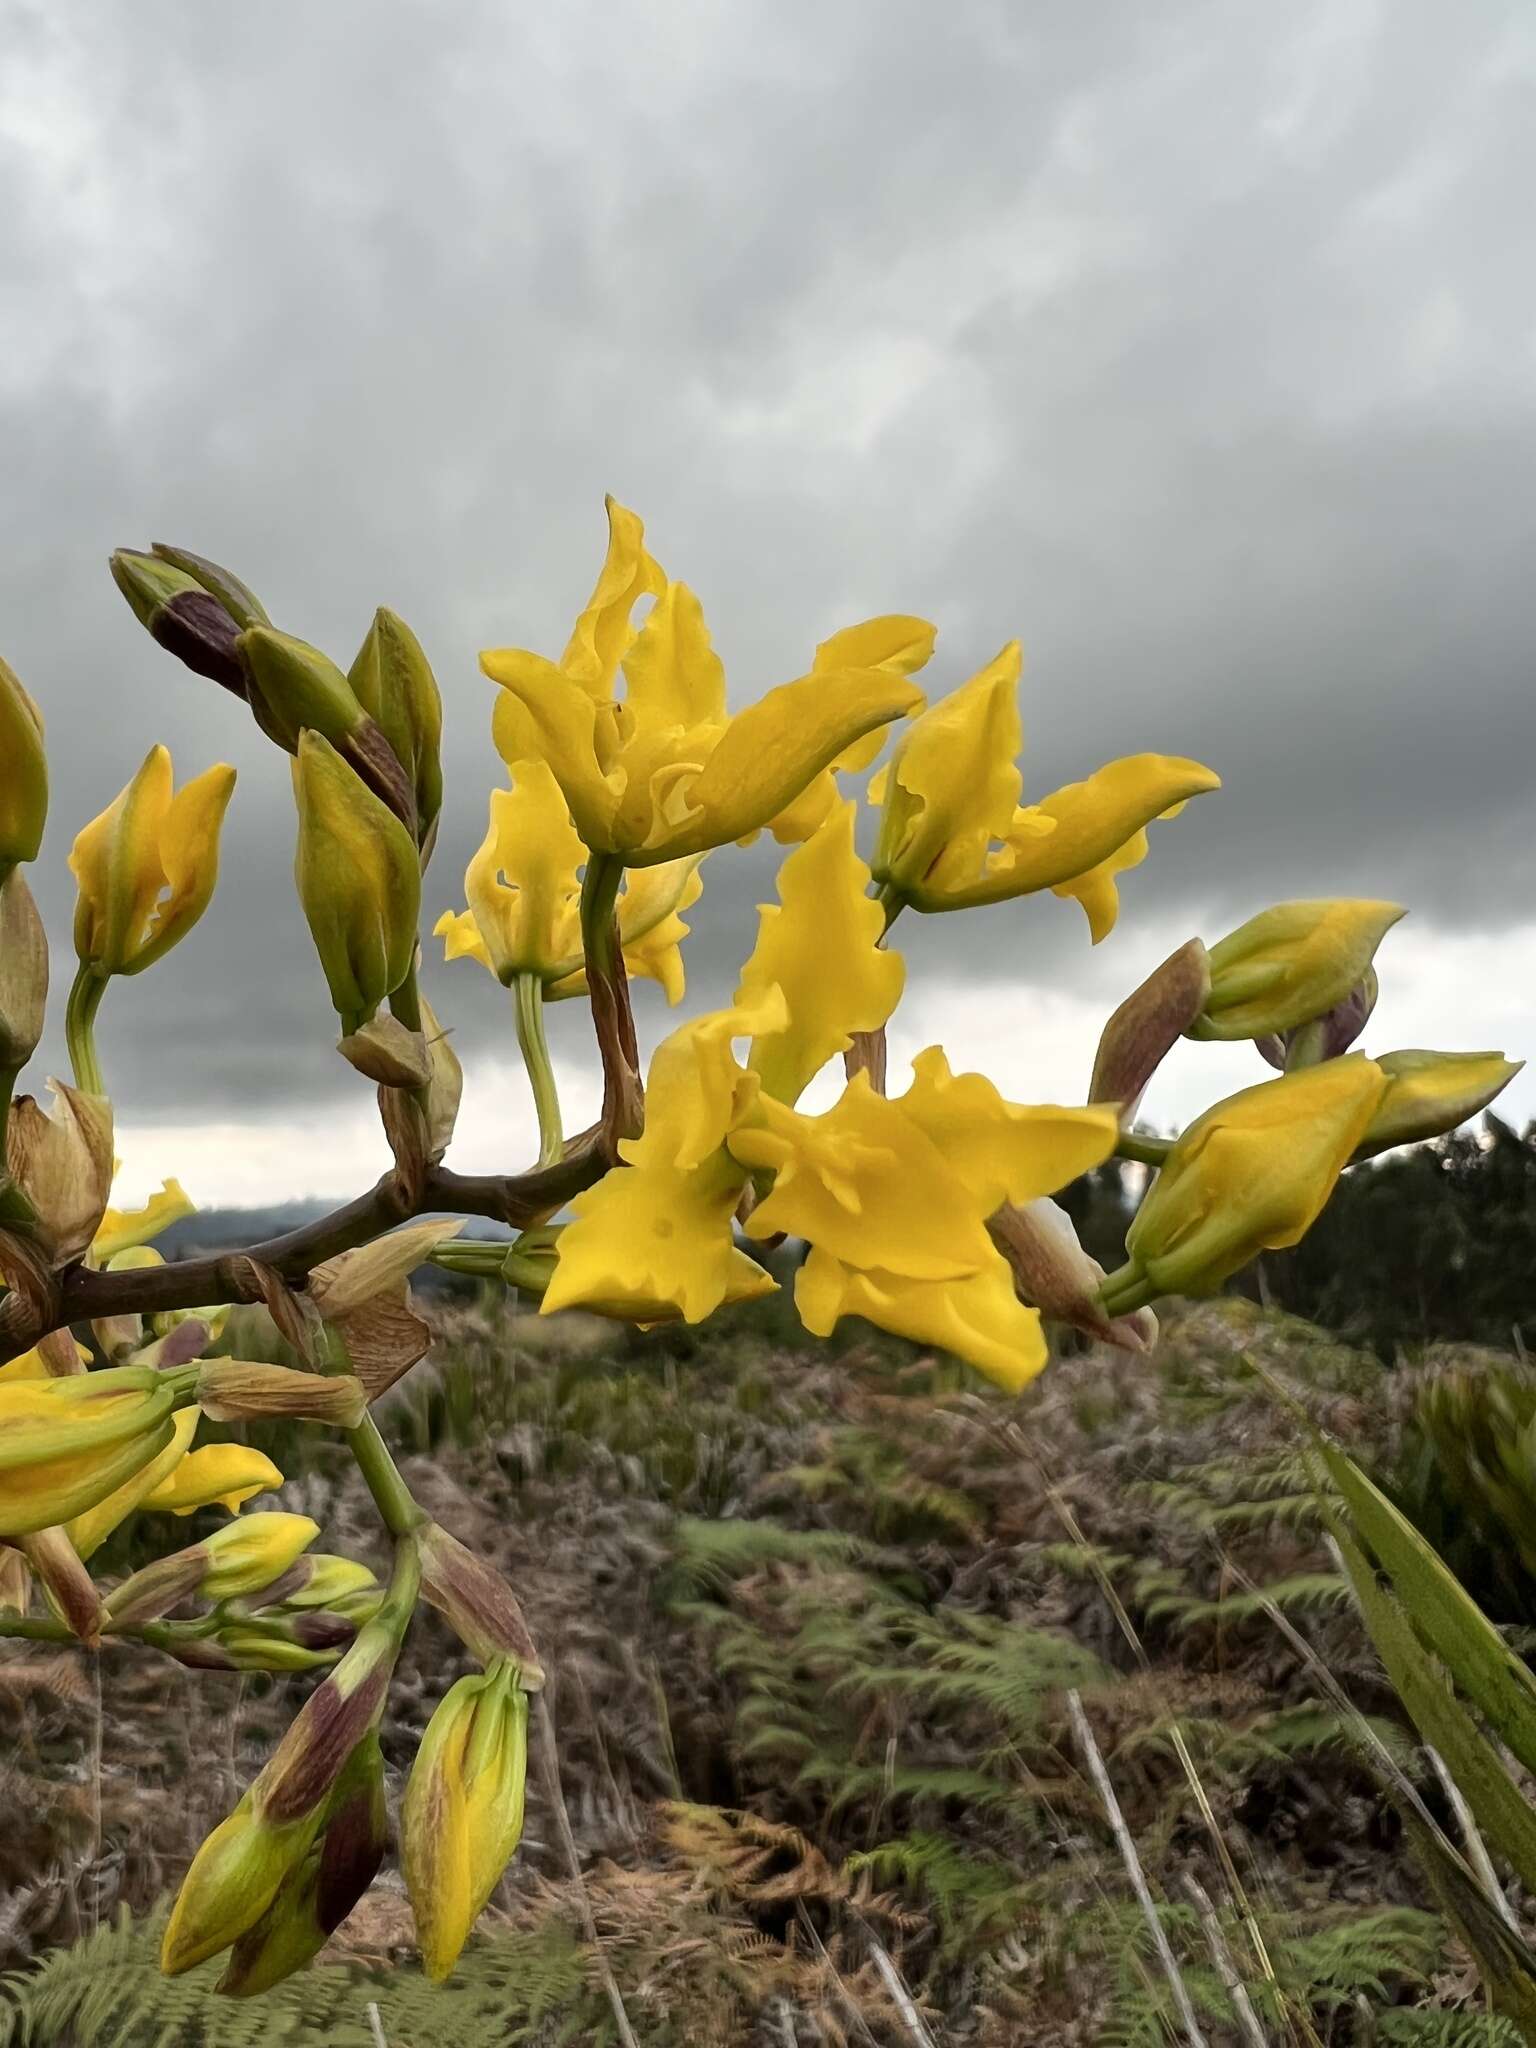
{"x":1497,"y":1804}
{"x":1442,"y":1611}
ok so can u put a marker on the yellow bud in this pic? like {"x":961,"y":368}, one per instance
{"x":146,"y":868}
{"x":1430,"y":1093}
{"x":1250,"y":1175}
{"x":24,"y":779}
{"x":251,"y":1552}
{"x":66,"y":1444}
{"x":462,"y":1814}
{"x":1289,"y":965}
{"x":359,"y":880}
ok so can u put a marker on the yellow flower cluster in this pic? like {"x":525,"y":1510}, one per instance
{"x":925,"y":1211}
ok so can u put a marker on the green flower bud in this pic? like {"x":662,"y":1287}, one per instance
{"x":238,"y":1873}
{"x":393,"y":681}
{"x":237,"y":598}
{"x":184,"y":614}
{"x":24,"y":779}
{"x":359,"y":880}
{"x":1289,"y":965}
{"x":294,"y":689}
{"x":1430,"y":1093}
{"x":323,"y":1887}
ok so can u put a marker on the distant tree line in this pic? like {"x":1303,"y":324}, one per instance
{"x":1437,"y":1241}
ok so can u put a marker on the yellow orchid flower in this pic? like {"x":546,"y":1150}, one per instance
{"x":224,"y":1474}
{"x":821,"y":948}
{"x":953,"y":833}
{"x":893,"y":1196}
{"x":1252,"y":1174}
{"x":524,"y":892}
{"x":665,"y":770}
{"x":121,"y":1230}
{"x":462,"y":1813}
{"x":652,"y":1239}
{"x":1291,"y":964}
{"x":66,"y":1444}
{"x":146,"y":868}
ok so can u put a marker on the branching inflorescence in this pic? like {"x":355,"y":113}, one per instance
{"x":928,"y":1213}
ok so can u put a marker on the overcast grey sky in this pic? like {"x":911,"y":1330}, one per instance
{"x":1195,"y":344}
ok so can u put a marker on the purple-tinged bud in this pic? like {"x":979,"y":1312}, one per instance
{"x":1052,"y":1272}
{"x":184,"y":617}
{"x":478,"y":1602}
{"x":237,"y":598}
{"x":1147,"y":1025}
{"x":323,"y":1887}
{"x":1326,"y":1036}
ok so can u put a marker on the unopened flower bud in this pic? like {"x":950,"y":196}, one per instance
{"x":484,"y":1611}
{"x":321,"y":1890}
{"x":237,"y":598}
{"x":1250,"y":1175}
{"x":238,"y":1872}
{"x":184,"y":614}
{"x":359,"y":880}
{"x":69,"y":1587}
{"x":1430,"y":1093}
{"x":1052,"y":1272}
{"x":1291,"y":964}
{"x":24,"y":780}
{"x":251,"y":1552}
{"x":65,"y":1444}
{"x":240,"y":1390}
{"x":1326,"y":1037}
{"x":23,"y":974}
{"x":393,"y":681}
{"x":462,"y":1814}
{"x":250,"y":1649}
{"x":295,"y":689}
{"x":1147,"y":1025}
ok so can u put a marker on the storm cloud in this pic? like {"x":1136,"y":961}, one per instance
{"x":1196,"y":346}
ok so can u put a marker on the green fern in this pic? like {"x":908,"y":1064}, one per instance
{"x":510,"y":1991}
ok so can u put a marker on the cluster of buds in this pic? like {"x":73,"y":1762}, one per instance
{"x":928,"y":1212}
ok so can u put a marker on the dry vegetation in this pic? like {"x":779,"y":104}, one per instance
{"x":816,"y":1614}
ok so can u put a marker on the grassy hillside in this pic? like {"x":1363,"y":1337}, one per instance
{"x":815,"y":1615}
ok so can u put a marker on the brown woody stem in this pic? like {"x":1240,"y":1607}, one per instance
{"x":80,"y":1293}
{"x":608,"y":992}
